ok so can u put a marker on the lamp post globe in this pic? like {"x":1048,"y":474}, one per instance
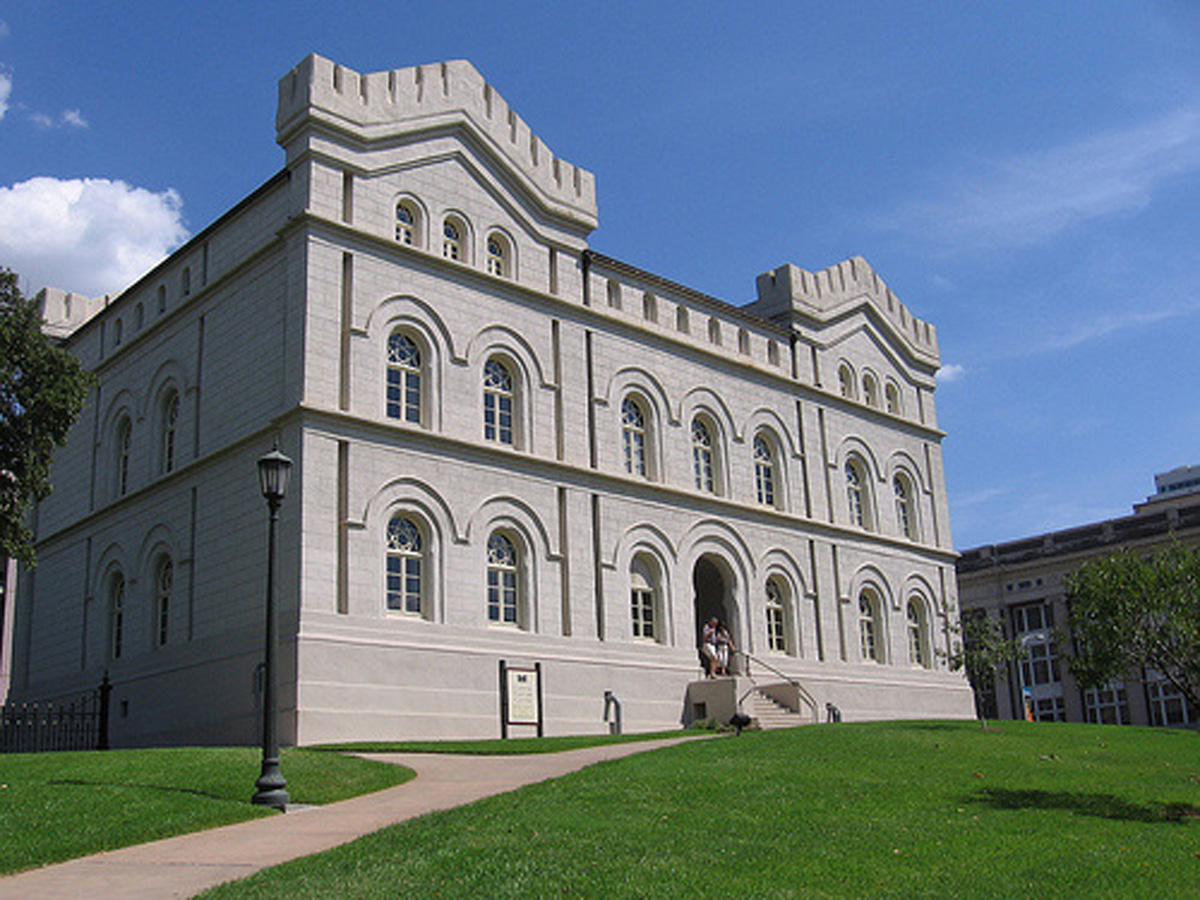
{"x":274,"y":473}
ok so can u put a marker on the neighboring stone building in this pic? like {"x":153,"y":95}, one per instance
{"x":507,"y":446}
{"x":1022,"y":583}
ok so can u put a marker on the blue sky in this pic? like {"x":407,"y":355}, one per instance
{"x":1026,"y":175}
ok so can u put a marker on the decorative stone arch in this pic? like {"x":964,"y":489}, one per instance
{"x":706,"y":400}
{"x":517,"y":521}
{"x":870,"y":580}
{"x":524,"y":368}
{"x":159,"y":545}
{"x":650,"y":396}
{"x":649,"y":540}
{"x":421,"y":324}
{"x":901,"y":461}
{"x":727,"y":551}
{"x":771,"y":427}
{"x":918,"y":590}
{"x":781,"y":565}
{"x":112,"y":564}
{"x":434,"y":518}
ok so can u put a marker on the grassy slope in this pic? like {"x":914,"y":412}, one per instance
{"x":874,"y":810}
{"x":513,"y":746}
{"x":56,"y":806}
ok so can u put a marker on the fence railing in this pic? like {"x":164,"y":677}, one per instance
{"x":77,"y":722}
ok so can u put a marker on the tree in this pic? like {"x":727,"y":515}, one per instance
{"x":984,"y":653}
{"x":42,"y":390}
{"x":1127,"y":611}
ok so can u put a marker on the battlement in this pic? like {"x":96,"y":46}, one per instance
{"x":381,"y":105}
{"x":63,"y":312}
{"x":826,"y":294}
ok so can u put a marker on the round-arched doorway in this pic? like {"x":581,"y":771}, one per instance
{"x":712,"y":583}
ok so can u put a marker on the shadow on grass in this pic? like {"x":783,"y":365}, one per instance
{"x":77,"y":782}
{"x":1102,"y":806}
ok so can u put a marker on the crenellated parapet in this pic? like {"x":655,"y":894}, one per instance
{"x":829,"y":294}
{"x":380,"y":106}
{"x":64,"y":311}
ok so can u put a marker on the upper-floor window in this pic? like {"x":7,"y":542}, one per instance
{"x":773,"y":353}
{"x":868,"y":627}
{"x":846,"y":381}
{"x":499,"y":256}
{"x":124,"y":453}
{"x":503,"y":584}
{"x":452,"y":240}
{"x":403,"y":378}
{"x":703,"y":457}
{"x":633,"y":437}
{"x":857,"y":495}
{"x":163,"y":586}
{"x":764,"y":471}
{"x":649,"y":307}
{"x":891,"y":398}
{"x":871,"y":390}
{"x":116,"y":615}
{"x":406,"y":223}
{"x":185,"y":282}
{"x":918,"y":651}
{"x":499,"y":403}
{"x":714,"y":331}
{"x":139,"y":317}
{"x":613,"y":290}
{"x":170,"y":430}
{"x":162,"y":299}
{"x":404,"y":566}
{"x":743,"y":342}
{"x":118,"y":332}
{"x":681,"y":320}
{"x":776,"y":618}
{"x":906,"y":512}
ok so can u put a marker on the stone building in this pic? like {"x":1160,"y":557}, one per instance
{"x":508,"y":447}
{"x":1022,"y":583}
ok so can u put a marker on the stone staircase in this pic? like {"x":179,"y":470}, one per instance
{"x":768,"y":714}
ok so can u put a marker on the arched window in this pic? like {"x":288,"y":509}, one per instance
{"x":139,"y":317}
{"x":714,"y":331}
{"x":891,"y":397}
{"x":764,"y":471}
{"x":124,"y":451}
{"x":649,"y":307}
{"x":906,"y":511}
{"x":503,"y":590}
{"x":776,"y":617}
{"x":116,"y":615}
{"x":858,"y":497}
{"x":643,"y":600}
{"x":118,"y":332}
{"x":405,"y":579}
{"x":406,"y":223}
{"x":164,"y":579}
{"x":170,"y":430}
{"x":162,"y":299}
{"x":868,"y":628}
{"x":743,"y":342}
{"x":773,"y":353}
{"x":846,"y":381}
{"x":452,"y":239}
{"x":918,"y":653}
{"x":681,"y":320}
{"x":499,"y":256}
{"x":185,"y":281}
{"x":871,"y":390}
{"x":703,"y":457}
{"x":633,"y":437}
{"x":499,"y":402}
{"x":614,"y":293}
{"x":403,"y":378}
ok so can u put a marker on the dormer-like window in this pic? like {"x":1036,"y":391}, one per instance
{"x":871,"y":390}
{"x":452,"y":240}
{"x":846,"y":381}
{"x":499,"y":257}
{"x":406,"y":224}
{"x":891,"y":396}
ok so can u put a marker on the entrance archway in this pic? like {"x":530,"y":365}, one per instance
{"x":713,"y":596}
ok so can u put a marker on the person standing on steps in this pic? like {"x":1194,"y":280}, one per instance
{"x":708,"y":646}
{"x":725,"y":646}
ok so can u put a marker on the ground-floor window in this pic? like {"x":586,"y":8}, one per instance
{"x":1168,"y":708}
{"x":1107,"y":705}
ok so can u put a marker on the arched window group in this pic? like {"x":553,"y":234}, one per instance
{"x":152,"y":447}
{"x":456,"y":238}
{"x":157,"y":607}
{"x":875,"y":393}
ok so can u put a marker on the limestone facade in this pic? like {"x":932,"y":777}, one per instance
{"x":508,"y":447}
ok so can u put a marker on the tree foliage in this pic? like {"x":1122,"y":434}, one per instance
{"x":42,"y":390}
{"x":983,"y":653}
{"x":1127,"y":611}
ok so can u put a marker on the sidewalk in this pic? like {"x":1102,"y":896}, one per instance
{"x":185,"y":865}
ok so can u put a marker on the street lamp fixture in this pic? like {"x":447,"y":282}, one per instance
{"x":274,"y":473}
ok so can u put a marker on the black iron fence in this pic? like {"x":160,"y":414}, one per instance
{"x":77,"y":722}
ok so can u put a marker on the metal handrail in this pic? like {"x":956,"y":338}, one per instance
{"x":801,"y":689}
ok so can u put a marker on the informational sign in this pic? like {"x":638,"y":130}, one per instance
{"x":523,"y":694}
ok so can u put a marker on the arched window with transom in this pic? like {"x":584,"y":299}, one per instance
{"x":906,"y":509}
{"x":170,"y":431}
{"x":405,"y":566}
{"x":407,"y":224}
{"x":499,"y":403}
{"x":764,"y":471}
{"x":858,"y":495}
{"x":633,"y":437}
{"x":499,"y":255}
{"x":777,"y":630}
{"x":918,"y":641}
{"x":644,"y":599}
{"x":453,"y":240}
{"x":164,"y":583}
{"x":704,"y":456}
{"x":503,"y":581}
{"x":870,"y":634}
{"x":116,"y":615}
{"x":403,"y":378}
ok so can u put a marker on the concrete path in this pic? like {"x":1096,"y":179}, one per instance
{"x":185,"y":865}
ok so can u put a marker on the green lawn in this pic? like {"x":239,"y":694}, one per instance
{"x":57,"y":806}
{"x":921,"y":809}
{"x":513,"y":746}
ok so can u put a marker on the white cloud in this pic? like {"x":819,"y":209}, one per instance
{"x":6,"y":84}
{"x":1028,"y":198}
{"x":93,"y":235}
{"x":1100,"y":326}
{"x":953,"y":372}
{"x":72,"y":118}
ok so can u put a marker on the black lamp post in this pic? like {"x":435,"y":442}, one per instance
{"x":274,"y":472}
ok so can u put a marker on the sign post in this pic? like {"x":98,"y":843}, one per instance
{"x":520,"y":697}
